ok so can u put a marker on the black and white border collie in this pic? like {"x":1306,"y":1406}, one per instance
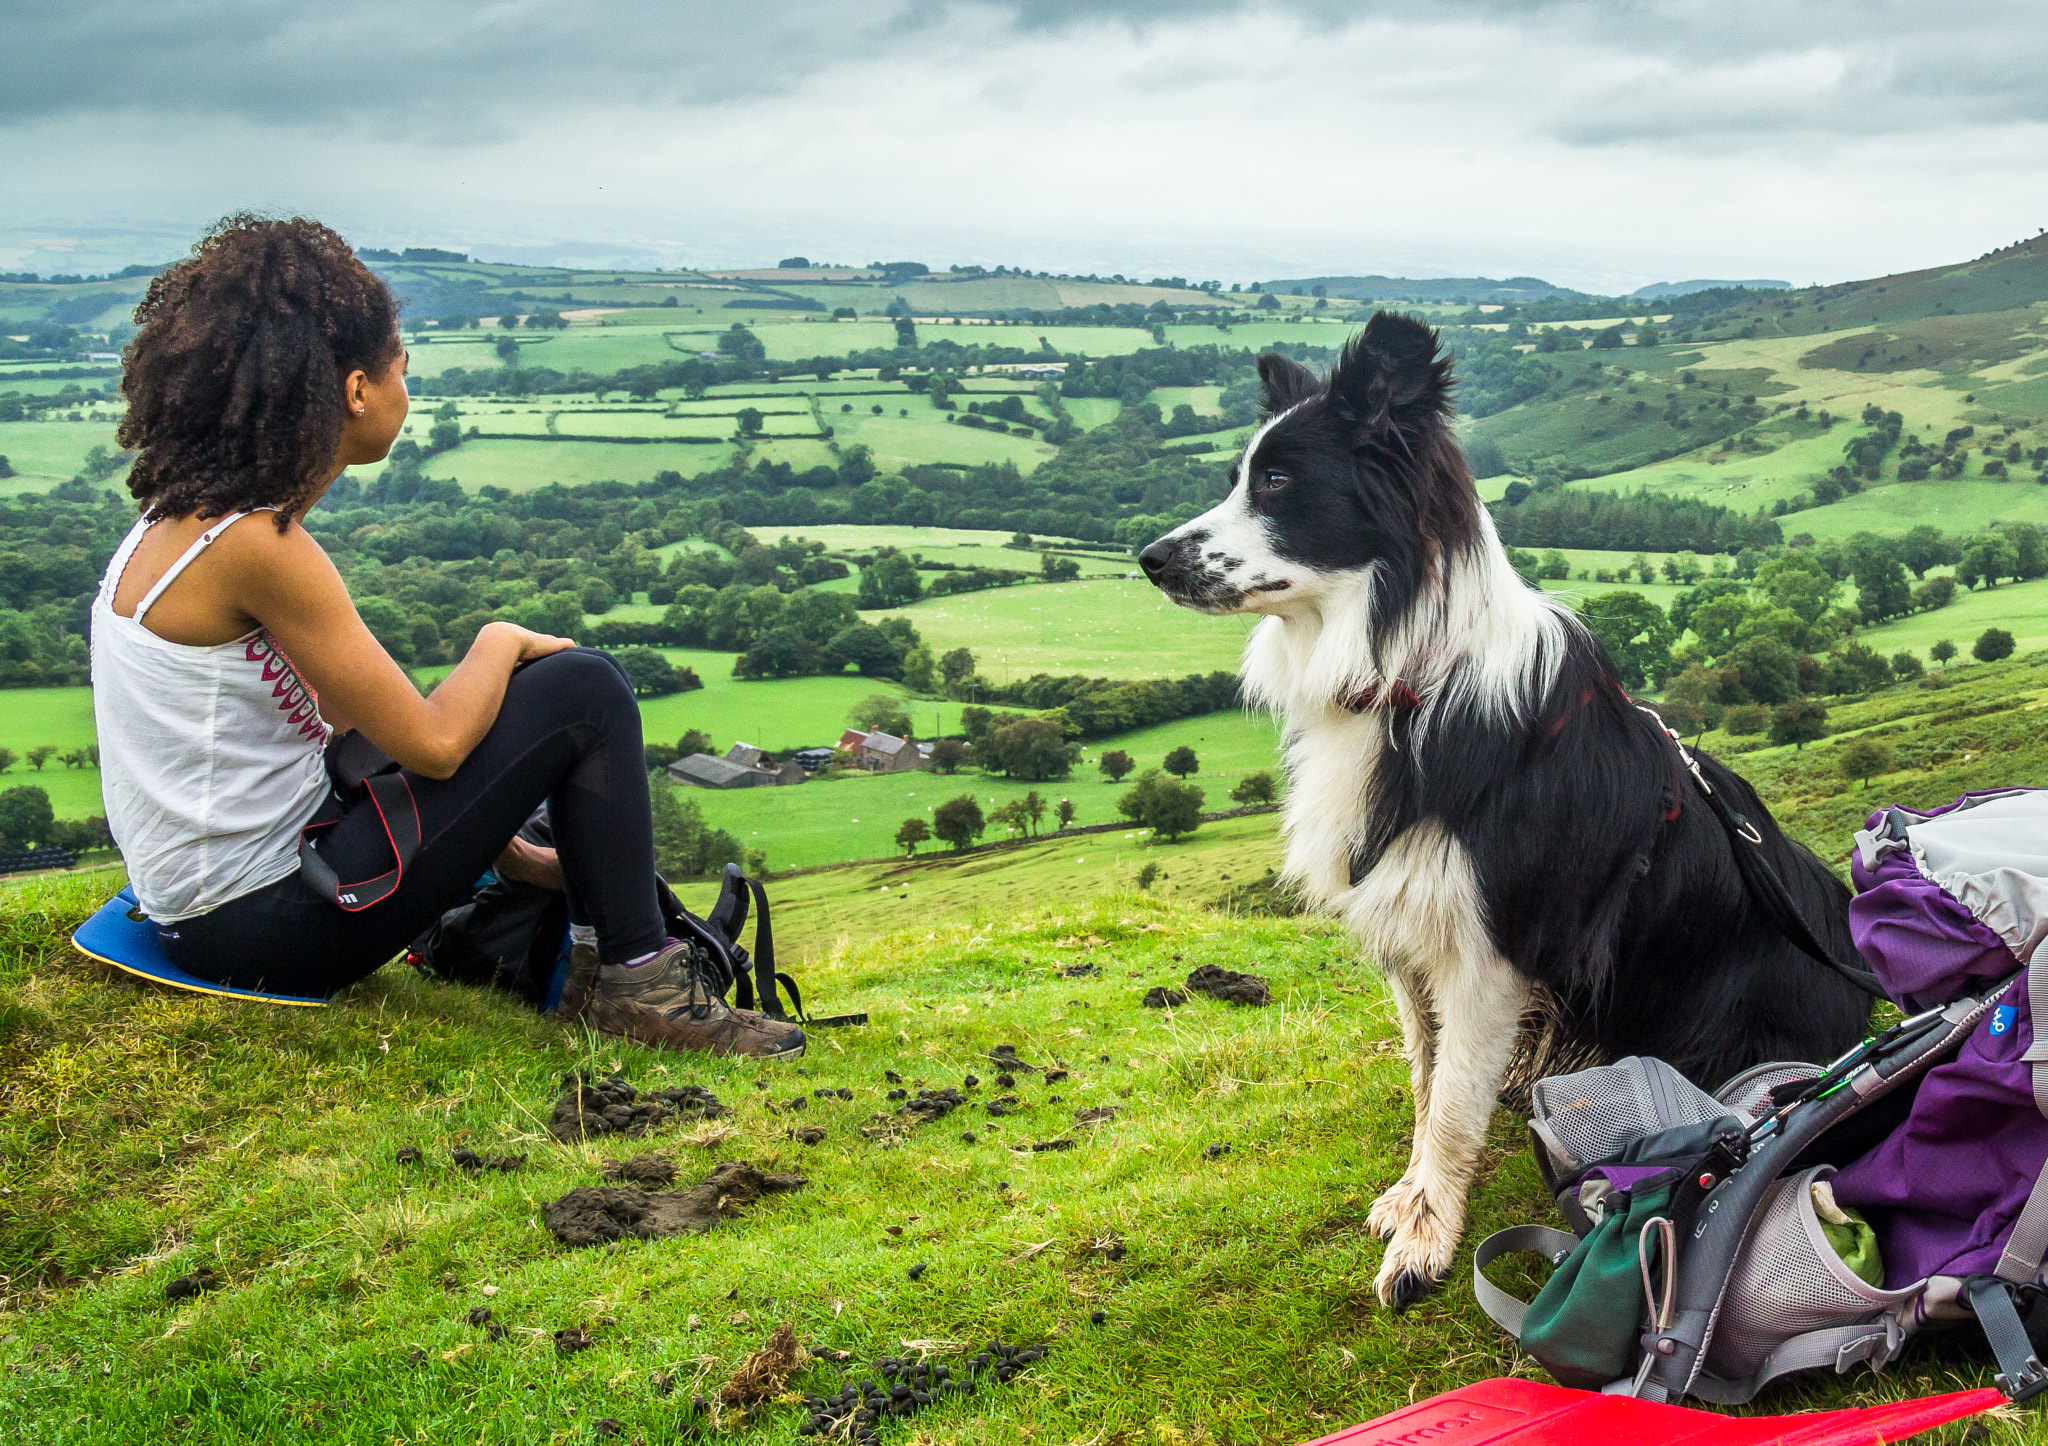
{"x":1470,"y":789}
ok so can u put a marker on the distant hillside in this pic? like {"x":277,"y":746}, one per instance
{"x":1458,"y":289}
{"x":1657,"y":291}
{"x":1917,"y":399}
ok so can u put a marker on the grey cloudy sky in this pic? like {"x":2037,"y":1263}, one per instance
{"x":1601,"y":143}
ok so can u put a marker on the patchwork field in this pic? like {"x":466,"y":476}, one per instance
{"x":829,"y":820}
{"x":1112,"y":627}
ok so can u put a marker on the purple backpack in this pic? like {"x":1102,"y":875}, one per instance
{"x":1819,"y":1216}
{"x":1948,"y":902}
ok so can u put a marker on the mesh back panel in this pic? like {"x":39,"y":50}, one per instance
{"x":1595,"y":1112}
{"x":1747,"y":1095}
{"x":1787,"y":1281}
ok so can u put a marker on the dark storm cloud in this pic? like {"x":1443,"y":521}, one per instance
{"x":1660,"y":71}
{"x":459,"y":69}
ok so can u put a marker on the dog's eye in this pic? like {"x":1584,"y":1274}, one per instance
{"x":1270,"y":480}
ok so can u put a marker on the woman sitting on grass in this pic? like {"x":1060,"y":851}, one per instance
{"x":226,"y":652}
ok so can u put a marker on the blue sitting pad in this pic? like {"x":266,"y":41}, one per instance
{"x":119,"y":934}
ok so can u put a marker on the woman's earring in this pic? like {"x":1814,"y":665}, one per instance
{"x":359,"y":411}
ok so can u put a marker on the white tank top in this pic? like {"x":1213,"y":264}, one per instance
{"x":210,"y":757}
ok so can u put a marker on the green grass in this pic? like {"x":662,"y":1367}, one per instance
{"x":1118,"y":628}
{"x":46,"y":453}
{"x":62,"y":718}
{"x":829,"y":820}
{"x":828,"y":908}
{"x":926,"y":436}
{"x":2020,"y":608}
{"x":148,"y":1133}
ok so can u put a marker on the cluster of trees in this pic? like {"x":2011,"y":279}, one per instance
{"x":1773,"y":632}
{"x":27,"y":821}
{"x":1626,"y":522}
{"x":1085,"y":707}
{"x":684,"y":845}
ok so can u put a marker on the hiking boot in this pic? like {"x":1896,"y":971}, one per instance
{"x":666,"y":1002}
{"x":577,"y":983}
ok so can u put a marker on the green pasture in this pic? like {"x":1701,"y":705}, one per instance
{"x":523,"y":466}
{"x":775,"y":713}
{"x":61,"y":718}
{"x":151,"y":1133}
{"x":1091,"y":412}
{"x":1118,"y":628}
{"x":821,"y":910}
{"x":830,"y":820}
{"x":2021,"y":608}
{"x":961,"y":544}
{"x":1205,"y":401}
{"x":925,"y":435}
{"x":1961,"y":506}
{"x":46,"y":453}
{"x":1262,"y":334}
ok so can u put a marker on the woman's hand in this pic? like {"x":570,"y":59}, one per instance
{"x":529,"y":863}
{"x":531,"y":644}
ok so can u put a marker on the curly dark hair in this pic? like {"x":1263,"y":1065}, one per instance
{"x":234,"y":377}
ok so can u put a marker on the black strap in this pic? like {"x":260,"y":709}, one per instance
{"x":2020,"y":1372}
{"x":391,"y":795}
{"x":1770,"y":893}
{"x":729,"y":916}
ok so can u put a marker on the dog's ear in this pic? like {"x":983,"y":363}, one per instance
{"x":1392,"y":373}
{"x":1285,"y":382}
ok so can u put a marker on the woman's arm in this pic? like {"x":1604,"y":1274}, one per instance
{"x":287,"y":583}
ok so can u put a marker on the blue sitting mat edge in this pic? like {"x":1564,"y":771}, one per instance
{"x":116,"y":935}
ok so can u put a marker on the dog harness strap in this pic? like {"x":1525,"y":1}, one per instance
{"x":1376,"y":695}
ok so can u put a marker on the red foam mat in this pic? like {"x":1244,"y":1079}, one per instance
{"x":1533,"y":1413}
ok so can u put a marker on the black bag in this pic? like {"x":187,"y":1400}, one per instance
{"x":515,"y":936}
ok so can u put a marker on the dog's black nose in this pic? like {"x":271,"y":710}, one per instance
{"x":1155,"y":558}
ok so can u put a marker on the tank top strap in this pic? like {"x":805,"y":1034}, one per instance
{"x":118,"y":564}
{"x":204,"y":541}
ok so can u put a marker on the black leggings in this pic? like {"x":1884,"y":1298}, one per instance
{"x":568,"y":733}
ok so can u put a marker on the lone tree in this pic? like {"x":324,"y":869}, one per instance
{"x":25,"y":817}
{"x":1031,"y":808}
{"x":1863,"y":759}
{"x":1182,"y":761}
{"x":1255,"y":789}
{"x":1991,"y":645}
{"x":40,"y":755}
{"x":649,"y":672}
{"x":1942,"y":651}
{"x":910,"y":833}
{"x":956,"y":666}
{"x":880,"y":713}
{"x":1033,"y":749}
{"x":1065,"y":812}
{"x":1157,"y":802}
{"x":948,"y":755}
{"x":1799,"y":723}
{"x":750,"y":420}
{"x":959,"y":822}
{"x":1115,"y":763}
{"x":7,"y":759}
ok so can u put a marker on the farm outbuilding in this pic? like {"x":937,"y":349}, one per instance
{"x":744,"y":766}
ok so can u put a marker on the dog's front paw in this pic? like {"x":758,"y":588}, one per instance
{"x":1396,"y":1205}
{"x":1418,"y":1256}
